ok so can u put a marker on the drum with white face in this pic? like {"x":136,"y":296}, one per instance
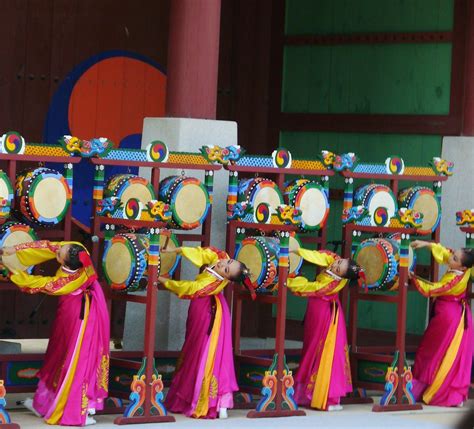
{"x":43,"y":196}
{"x":125,"y":260}
{"x":310,"y":197}
{"x":379,"y":202}
{"x":423,"y":200}
{"x":188,"y":199}
{"x":260,"y":190}
{"x":129,"y":186}
{"x":260,"y":255}
{"x":11,"y":234}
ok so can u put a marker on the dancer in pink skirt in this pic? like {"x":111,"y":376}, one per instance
{"x":324,"y":375}
{"x":204,"y":381}
{"x":73,"y":381}
{"x":443,"y":362}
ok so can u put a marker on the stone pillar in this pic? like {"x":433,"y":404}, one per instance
{"x":184,"y":135}
{"x":193,"y":58}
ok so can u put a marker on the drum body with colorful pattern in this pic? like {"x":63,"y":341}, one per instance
{"x":379,"y":202}
{"x":310,"y":197}
{"x":260,"y":255}
{"x":43,"y":196}
{"x":125,"y":261}
{"x":11,"y":234}
{"x":423,"y":200}
{"x":188,"y":199}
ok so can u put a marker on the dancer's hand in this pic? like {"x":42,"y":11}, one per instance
{"x":419,"y":244}
{"x":7,"y":251}
{"x":174,"y":250}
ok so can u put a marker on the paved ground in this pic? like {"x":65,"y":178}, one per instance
{"x":353,"y":416}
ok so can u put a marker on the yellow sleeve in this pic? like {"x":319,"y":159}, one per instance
{"x":450,"y":284}
{"x":323,"y":286}
{"x":36,"y":252}
{"x":440,"y":253}
{"x":203,"y":284}
{"x":322,"y":259}
{"x":199,"y":256}
{"x":52,"y":285}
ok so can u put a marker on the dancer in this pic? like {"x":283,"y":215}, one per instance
{"x":73,"y":381}
{"x":324,"y":376}
{"x":442,"y":370}
{"x":204,"y":380}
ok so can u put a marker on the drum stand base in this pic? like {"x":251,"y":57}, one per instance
{"x":396,"y":407}
{"x":9,"y":426}
{"x":143,"y":419}
{"x":275,"y":413}
{"x":353,"y":400}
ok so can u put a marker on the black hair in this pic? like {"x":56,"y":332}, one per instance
{"x":72,"y":260}
{"x":241,"y":274}
{"x":467,"y":259}
{"x":353,"y":270}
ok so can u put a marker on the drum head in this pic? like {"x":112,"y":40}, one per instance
{"x":16,"y":235}
{"x":295,"y":260}
{"x":385,"y":199}
{"x":168,"y":261}
{"x":267,"y":194}
{"x":373,"y":260}
{"x":139,"y":191}
{"x":49,"y":197}
{"x":252,"y":256}
{"x":314,"y":206}
{"x":190,"y":204}
{"x":118,"y":262}
{"x":427,"y":204}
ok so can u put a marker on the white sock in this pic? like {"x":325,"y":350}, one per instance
{"x":90,"y":421}
{"x":337,"y":407}
{"x":223,"y":413}
{"x":91,"y":411}
{"x":460,"y":405}
{"x":28,"y":404}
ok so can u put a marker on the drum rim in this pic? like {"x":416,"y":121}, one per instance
{"x":253,"y":183}
{"x":126,"y":178}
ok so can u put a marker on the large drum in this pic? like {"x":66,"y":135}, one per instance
{"x":260,"y":190}
{"x":6,"y":195}
{"x":295,"y":261}
{"x":379,"y":202}
{"x":422,"y":199}
{"x":260,"y":255}
{"x":310,"y":197}
{"x":125,"y":261}
{"x":377,"y":258}
{"x":188,"y":199}
{"x":43,"y":196}
{"x":11,"y":234}
{"x":128,"y":186}
{"x":380,"y":258}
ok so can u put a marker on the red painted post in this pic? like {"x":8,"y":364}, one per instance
{"x":193,"y":58}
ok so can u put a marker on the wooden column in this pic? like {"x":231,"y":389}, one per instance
{"x":468,"y":114}
{"x":193,"y":55}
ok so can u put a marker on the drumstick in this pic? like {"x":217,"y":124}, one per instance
{"x":165,"y":246}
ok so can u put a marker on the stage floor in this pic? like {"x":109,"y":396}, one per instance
{"x":352,"y":416}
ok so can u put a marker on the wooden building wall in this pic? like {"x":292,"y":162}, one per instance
{"x":41,"y":41}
